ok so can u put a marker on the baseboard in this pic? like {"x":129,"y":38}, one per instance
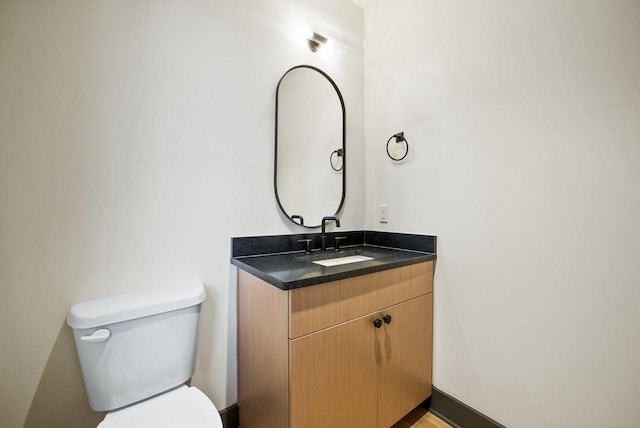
{"x":441,"y":404}
{"x":230,"y":417}
{"x":458,"y":414}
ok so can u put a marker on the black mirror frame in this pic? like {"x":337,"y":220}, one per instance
{"x":344,"y":148}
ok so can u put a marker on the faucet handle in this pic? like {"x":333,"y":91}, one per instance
{"x":337,"y":241}
{"x":308,"y":242}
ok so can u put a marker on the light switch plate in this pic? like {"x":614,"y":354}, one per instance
{"x":383,"y":214}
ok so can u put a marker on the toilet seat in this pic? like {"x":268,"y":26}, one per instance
{"x":182,"y":407}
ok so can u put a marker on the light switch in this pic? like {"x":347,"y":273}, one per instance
{"x":383,"y":214}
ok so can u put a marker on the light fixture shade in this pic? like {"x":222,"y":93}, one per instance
{"x":313,"y":45}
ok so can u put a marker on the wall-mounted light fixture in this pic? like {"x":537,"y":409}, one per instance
{"x":316,"y":41}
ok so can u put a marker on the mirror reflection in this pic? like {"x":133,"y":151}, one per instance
{"x":309,"y":174}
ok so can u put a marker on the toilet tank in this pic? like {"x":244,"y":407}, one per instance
{"x":136,"y":345}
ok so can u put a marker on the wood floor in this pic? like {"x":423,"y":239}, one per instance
{"x":420,"y":418}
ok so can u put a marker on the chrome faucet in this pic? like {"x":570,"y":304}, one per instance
{"x":323,"y":235}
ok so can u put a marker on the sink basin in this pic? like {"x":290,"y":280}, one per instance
{"x":343,"y":260}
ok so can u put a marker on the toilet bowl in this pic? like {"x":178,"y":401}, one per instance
{"x":137,"y":351}
{"x":182,"y":407}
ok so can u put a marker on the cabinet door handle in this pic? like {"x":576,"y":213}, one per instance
{"x":387,"y":319}
{"x":377,"y":323}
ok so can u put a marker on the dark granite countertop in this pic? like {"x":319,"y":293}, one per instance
{"x":297,"y":269}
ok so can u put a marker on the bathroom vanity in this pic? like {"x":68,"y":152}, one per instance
{"x":323,"y":342}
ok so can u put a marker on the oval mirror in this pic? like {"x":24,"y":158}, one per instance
{"x":309,"y":171}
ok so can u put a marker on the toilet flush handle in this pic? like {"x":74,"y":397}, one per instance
{"x":97,"y":336}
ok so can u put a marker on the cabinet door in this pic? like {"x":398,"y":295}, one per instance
{"x":333,"y":377}
{"x":406,"y":347}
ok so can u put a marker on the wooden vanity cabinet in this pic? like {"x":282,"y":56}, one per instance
{"x":312,"y":357}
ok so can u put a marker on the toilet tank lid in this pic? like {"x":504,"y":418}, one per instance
{"x":124,"y":307}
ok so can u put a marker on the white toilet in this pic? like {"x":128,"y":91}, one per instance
{"x":136,"y":352}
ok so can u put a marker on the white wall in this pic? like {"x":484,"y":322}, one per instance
{"x":135,"y":139}
{"x":522,"y":119}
